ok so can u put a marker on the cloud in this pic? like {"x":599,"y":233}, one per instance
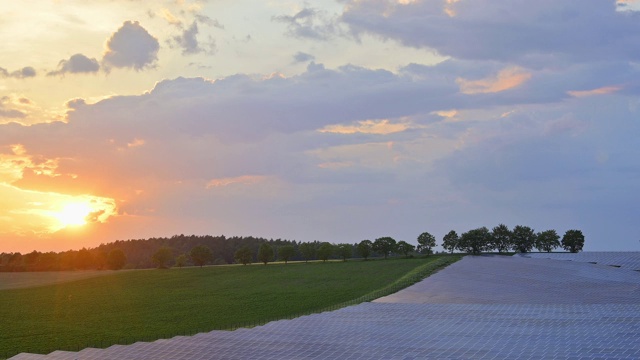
{"x":77,"y":64}
{"x":301,"y":57}
{"x":357,"y":150}
{"x":309,"y":23}
{"x":380,"y":127}
{"x":170,"y":18}
{"x":131,"y":46}
{"x":203,"y":19}
{"x":506,"y":79}
{"x":188,"y":41}
{"x":25,"y":72}
{"x":599,"y":91}
{"x":241,"y":180}
{"x":11,"y":113}
{"x":528,"y":33}
{"x":7,"y":112}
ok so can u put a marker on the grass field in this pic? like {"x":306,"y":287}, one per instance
{"x":16,"y":280}
{"x":144,"y":305}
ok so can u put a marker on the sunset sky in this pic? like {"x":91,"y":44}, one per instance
{"x":317,"y":120}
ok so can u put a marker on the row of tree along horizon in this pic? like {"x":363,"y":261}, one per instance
{"x":186,"y":250}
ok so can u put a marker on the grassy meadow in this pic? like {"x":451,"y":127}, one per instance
{"x":144,"y":305}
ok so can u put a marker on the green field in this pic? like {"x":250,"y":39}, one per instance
{"x":149,"y":304}
{"x":15,"y":280}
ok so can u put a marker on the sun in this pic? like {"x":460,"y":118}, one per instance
{"x":74,"y":214}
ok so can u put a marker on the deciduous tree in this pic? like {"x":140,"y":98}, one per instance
{"x":201,"y":255}
{"x":308,"y":251}
{"x":475,"y":241}
{"x":523,"y":238}
{"x":501,"y":238}
{"x":116,"y":259}
{"x":345,"y":251}
{"x":385,"y":245}
{"x":286,"y":252}
{"x":162,"y":256}
{"x":84,"y":259}
{"x":573,"y":240}
{"x":364,"y":248}
{"x":405,"y":248}
{"x":426,"y":242}
{"x":325,"y":251}
{"x":547,"y":240}
{"x":265,"y":253}
{"x":243,"y":255}
{"x":182,"y":260}
{"x":450,"y":241}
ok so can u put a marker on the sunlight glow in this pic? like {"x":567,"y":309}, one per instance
{"x":74,"y":214}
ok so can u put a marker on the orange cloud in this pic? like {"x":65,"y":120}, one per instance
{"x":449,"y":7}
{"x":170,"y":18}
{"x":447,"y":114}
{"x":599,"y":91}
{"x":506,"y":79}
{"x":243,"y":180}
{"x":378,"y":127}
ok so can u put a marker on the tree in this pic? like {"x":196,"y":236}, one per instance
{"x":345,"y":251}
{"x":201,"y":255}
{"x":243,"y":255}
{"x":547,"y":240}
{"x":182,"y":260}
{"x":265,"y":253}
{"x":573,"y":240}
{"x":364,"y":248}
{"x":405,"y":248}
{"x":84,"y":259}
{"x":523,"y":238}
{"x":324,"y":251}
{"x":116,"y":259}
{"x":385,"y":245}
{"x":501,"y":238}
{"x":426,"y":242}
{"x":31,"y":258}
{"x":475,"y":241}
{"x":286,"y":252}
{"x":450,"y":241}
{"x":162,"y":256}
{"x":101,"y":257}
{"x":308,"y":251}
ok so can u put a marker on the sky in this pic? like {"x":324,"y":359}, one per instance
{"x":318,"y":120}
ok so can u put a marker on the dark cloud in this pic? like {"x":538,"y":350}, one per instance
{"x":25,"y":72}
{"x":188,"y":40}
{"x":203,"y":19}
{"x":301,"y":57}
{"x":527,"y":32}
{"x":6,"y":112}
{"x":77,"y":64}
{"x":11,"y":113}
{"x":131,"y":46}
{"x":189,"y":43}
{"x":310,"y":23}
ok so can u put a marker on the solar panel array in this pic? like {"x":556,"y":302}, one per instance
{"x":464,"y":312}
{"x":627,"y":260}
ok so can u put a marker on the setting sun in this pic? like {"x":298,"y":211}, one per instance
{"x":74,"y":214}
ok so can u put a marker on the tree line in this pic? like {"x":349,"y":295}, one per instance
{"x":522,"y":239}
{"x":192,"y":250}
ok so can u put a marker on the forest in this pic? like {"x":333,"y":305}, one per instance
{"x":189,"y":250}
